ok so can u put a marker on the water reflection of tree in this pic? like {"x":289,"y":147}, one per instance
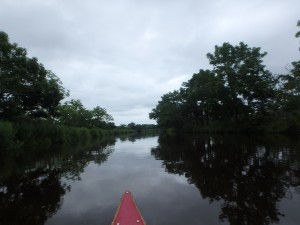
{"x":32,"y":197}
{"x":35,"y":193}
{"x":134,"y":137}
{"x":249,"y":177}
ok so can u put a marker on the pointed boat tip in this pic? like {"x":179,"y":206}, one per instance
{"x":127,"y":191}
{"x":128,"y":212}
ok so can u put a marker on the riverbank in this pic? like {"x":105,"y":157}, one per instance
{"x":46,"y":134}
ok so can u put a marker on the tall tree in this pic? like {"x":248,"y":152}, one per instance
{"x":26,"y":87}
{"x":250,"y":85}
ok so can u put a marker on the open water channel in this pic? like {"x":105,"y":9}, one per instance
{"x":176,"y":180}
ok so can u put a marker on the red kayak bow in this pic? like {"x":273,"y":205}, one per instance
{"x":128,"y":212}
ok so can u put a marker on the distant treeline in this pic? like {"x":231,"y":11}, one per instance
{"x":238,"y":95}
{"x":140,"y":128}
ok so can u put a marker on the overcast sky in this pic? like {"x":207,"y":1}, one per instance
{"x":123,"y":55}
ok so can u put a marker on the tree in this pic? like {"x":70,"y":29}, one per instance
{"x":100,"y":118}
{"x":289,"y":94}
{"x":168,"y":112}
{"x":206,"y":98}
{"x":73,"y":113}
{"x":27,"y":89}
{"x":250,"y":85}
{"x":238,"y":92}
{"x":131,"y":125}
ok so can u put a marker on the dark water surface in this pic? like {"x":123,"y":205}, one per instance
{"x":184,"y":180}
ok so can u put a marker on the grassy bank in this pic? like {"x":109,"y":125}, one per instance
{"x":14,"y":135}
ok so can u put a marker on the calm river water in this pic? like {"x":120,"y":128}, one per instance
{"x":176,"y":180}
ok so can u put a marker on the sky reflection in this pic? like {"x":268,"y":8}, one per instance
{"x":94,"y":199}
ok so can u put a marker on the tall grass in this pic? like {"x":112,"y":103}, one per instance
{"x":44,"y":134}
{"x":7,"y":135}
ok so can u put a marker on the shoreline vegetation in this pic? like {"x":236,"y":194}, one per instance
{"x":32,"y":112}
{"x":238,"y":95}
{"x":47,"y":135}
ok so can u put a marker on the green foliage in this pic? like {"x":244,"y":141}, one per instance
{"x":288,"y":100}
{"x":7,"y":134}
{"x":27,"y":89}
{"x":100,"y":118}
{"x":206,"y":98}
{"x":250,"y":86}
{"x":168,"y":111}
{"x":73,"y":113}
{"x":45,"y":135}
{"x":142,"y":128}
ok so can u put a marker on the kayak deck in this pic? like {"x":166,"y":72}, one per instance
{"x":128,"y":213}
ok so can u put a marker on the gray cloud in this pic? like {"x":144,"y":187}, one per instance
{"x":123,"y":55}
